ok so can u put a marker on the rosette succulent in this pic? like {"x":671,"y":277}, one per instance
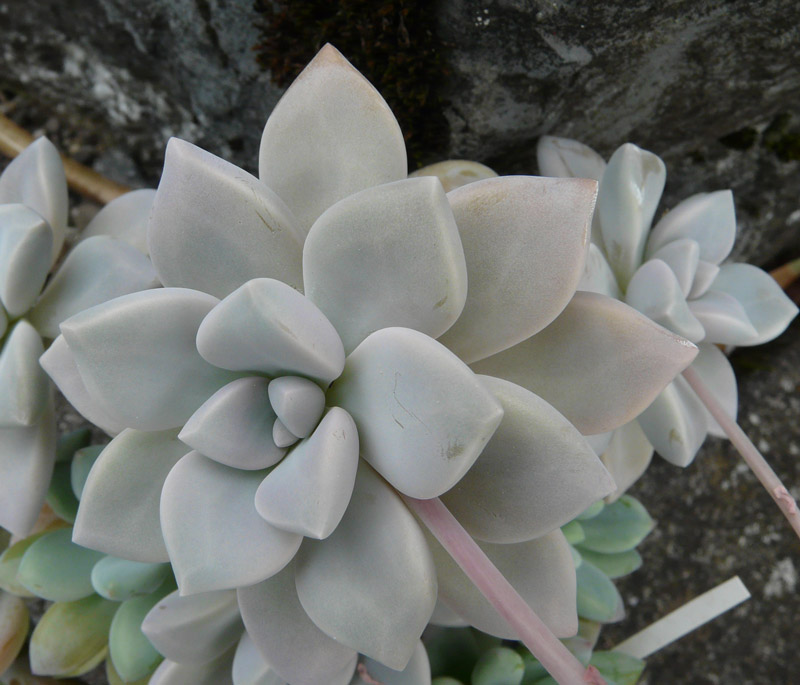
{"x":33,"y":225}
{"x":306,"y":368}
{"x":99,"y":601}
{"x":675,"y":273}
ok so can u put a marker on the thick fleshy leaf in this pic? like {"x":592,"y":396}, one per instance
{"x":387,"y":256}
{"x":682,"y":256}
{"x":119,"y":579}
{"x":654,"y":290}
{"x":629,"y":193}
{"x":627,"y":457}
{"x":525,"y":240}
{"x":119,"y":510}
{"x":298,"y":403}
{"x":308,"y":492}
{"x":27,"y":455}
{"x":724,"y":318}
{"x":535,"y":474}
{"x":24,"y":386}
{"x":69,"y":443}
{"x":573,"y":532}
{"x":36,"y":179}
{"x":568,"y":158}
{"x":288,"y":639}
{"x":94,"y":271}
{"x":250,"y":667}
{"x":60,"y":365}
{"x":707,"y":218}
{"x":454,"y":173}
{"x":81,"y":465}
{"x":618,"y":667}
{"x":371,"y":585}
{"x":115,"y":679}
{"x":26,"y":243}
{"x":613,"y":565}
{"x":214,"y":226}
{"x":56,"y":569}
{"x":14,"y":622}
{"x":234,"y":426}
{"x":422,"y":416}
{"x":706,"y":273}
{"x":282,"y":436}
{"x":498,"y":666}
{"x":269,"y":327}
{"x":599,"y":441}
{"x":600,"y":363}
{"x":60,"y":496}
{"x":72,"y":637}
{"x":597,"y":276}
{"x":541,"y":570}
{"x":767,"y":306}
{"x":598,"y":598}
{"x":216,"y":672}
{"x":9,"y":566}
{"x":675,"y":423}
{"x":718,"y":376}
{"x":147,"y":371}
{"x":124,"y":218}
{"x":331,"y":135}
{"x":194,"y":629}
{"x":620,"y":527}
{"x":208,"y":513}
{"x":133,"y":655}
{"x":417,"y":672}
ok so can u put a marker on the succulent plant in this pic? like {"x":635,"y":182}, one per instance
{"x":268,"y":437}
{"x":33,"y":225}
{"x":99,"y":601}
{"x":674,"y":273}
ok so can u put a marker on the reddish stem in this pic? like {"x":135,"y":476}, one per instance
{"x":537,"y":637}
{"x":747,"y":449}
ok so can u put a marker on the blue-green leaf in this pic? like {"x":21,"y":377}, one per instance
{"x":619,"y":527}
{"x":598,"y":598}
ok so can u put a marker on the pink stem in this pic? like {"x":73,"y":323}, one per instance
{"x":536,"y":636}
{"x":747,"y":449}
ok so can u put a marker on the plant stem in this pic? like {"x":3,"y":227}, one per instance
{"x":14,"y":139}
{"x":787,"y":274}
{"x":747,"y":449}
{"x":536,"y":636}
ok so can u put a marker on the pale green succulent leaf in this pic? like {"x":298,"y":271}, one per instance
{"x":525,"y":240}
{"x":683,"y":258}
{"x":618,"y":668}
{"x":423,"y":417}
{"x":200,"y":197}
{"x":9,"y":566}
{"x":371,"y":585}
{"x":194,"y":629}
{"x":417,"y":672}
{"x":627,"y":457}
{"x":591,"y":511}
{"x":72,"y":637}
{"x":618,"y":528}
{"x":119,"y":509}
{"x":94,"y":271}
{"x":613,"y":565}
{"x":132,"y":654}
{"x":568,"y":158}
{"x":57,"y":569}
{"x":454,"y":173}
{"x":25,"y":386}
{"x":387,"y":256}
{"x":26,"y":244}
{"x":250,"y":667}
{"x":60,"y":496}
{"x":535,"y":474}
{"x":573,"y":531}
{"x":114,"y":677}
{"x":81,"y":466}
{"x":69,"y":443}
{"x":334,"y":133}
{"x":575,"y":363}
{"x":125,"y":218}
{"x":161,"y":388}
{"x":541,"y":570}
{"x":598,"y":598}
{"x":289,"y":641}
{"x":36,"y":179}
{"x":723,"y":317}
{"x":119,"y":579}
{"x":498,"y":666}
{"x":27,"y":455}
{"x":215,"y":672}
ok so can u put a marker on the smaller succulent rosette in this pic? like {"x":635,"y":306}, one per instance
{"x":98,"y":601}
{"x":34,"y":299}
{"x":675,"y":273}
{"x":308,"y":365}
